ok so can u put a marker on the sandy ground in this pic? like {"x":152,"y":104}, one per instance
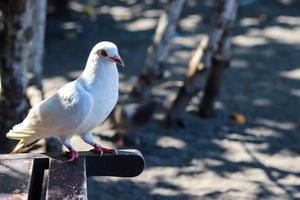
{"x":210,"y":158}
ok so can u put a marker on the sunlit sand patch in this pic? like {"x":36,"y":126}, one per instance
{"x":247,"y":41}
{"x":280,"y":161}
{"x":293,"y":74}
{"x":249,"y":21}
{"x":261,"y":132}
{"x":277,"y":124}
{"x":284,"y":35}
{"x":141,"y":24}
{"x":190,"y":23}
{"x":235,"y":150}
{"x":166,"y":142}
{"x":291,"y":179}
{"x":288,"y":20}
{"x":118,"y":13}
{"x":121,"y":13}
{"x":165,"y":192}
{"x":152,"y":13}
{"x":187,"y":41}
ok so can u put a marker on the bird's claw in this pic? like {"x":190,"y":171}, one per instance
{"x":74,"y":156}
{"x":97,"y":151}
{"x":101,"y":150}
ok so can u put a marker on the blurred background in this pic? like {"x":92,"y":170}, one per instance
{"x":209,"y":92}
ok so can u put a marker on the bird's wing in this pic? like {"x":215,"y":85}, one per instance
{"x":59,"y":114}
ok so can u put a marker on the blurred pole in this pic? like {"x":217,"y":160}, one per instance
{"x":212,"y":55}
{"x":35,"y":60}
{"x":159,"y":48}
{"x":18,"y":36}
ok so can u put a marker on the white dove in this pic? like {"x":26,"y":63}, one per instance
{"x":77,"y":107}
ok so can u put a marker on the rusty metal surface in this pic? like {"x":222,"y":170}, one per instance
{"x":67,"y":180}
{"x":15,"y":178}
{"x":40,"y":165}
{"x":18,"y":156}
{"x":44,"y":185}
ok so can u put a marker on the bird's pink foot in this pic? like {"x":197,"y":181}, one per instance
{"x":74,"y":155}
{"x":99,"y":149}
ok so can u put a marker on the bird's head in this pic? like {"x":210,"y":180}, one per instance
{"x":108,"y":51}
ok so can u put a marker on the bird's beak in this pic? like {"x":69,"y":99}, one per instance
{"x":117,"y":59}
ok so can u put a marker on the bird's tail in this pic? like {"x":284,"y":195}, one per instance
{"x":24,"y":135}
{"x":18,"y":147}
{"x":23,"y":146}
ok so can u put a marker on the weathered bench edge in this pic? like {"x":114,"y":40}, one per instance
{"x":109,"y":163}
{"x":64,"y":155}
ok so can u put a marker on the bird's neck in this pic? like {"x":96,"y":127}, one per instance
{"x":98,"y":73}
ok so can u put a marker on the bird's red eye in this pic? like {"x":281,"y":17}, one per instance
{"x":103,"y":53}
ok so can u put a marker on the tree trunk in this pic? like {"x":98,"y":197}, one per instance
{"x":37,"y":45}
{"x":18,"y":35}
{"x":212,"y":87}
{"x":159,"y":49}
{"x":189,"y":88}
{"x":220,"y":58}
{"x":206,"y":54}
{"x":35,"y":89}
